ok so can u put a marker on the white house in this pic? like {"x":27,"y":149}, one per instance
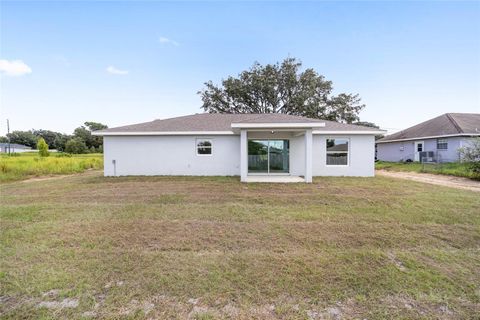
{"x":257,"y":147}
{"x":435,"y":140}
{"x":14,"y":148}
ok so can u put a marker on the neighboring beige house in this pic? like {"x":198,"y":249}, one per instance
{"x":257,"y":147}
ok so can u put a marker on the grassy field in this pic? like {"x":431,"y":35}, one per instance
{"x":27,"y":165}
{"x":452,"y":169}
{"x":212,"y":248}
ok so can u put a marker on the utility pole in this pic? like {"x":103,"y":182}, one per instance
{"x":8,"y":135}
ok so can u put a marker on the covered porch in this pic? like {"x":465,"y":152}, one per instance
{"x":276,"y":154}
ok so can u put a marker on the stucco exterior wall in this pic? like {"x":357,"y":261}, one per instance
{"x":297,"y":156}
{"x":170,"y":155}
{"x":393,"y":151}
{"x":361,"y":161}
{"x":176,"y":155}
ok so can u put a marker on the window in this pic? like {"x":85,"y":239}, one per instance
{"x":337,"y":152}
{"x":204,"y":147}
{"x":442,"y":144}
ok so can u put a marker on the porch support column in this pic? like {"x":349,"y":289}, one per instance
{"x":308,"y":155}
{"x":243,"y":155}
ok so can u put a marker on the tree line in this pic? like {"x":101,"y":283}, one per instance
{"x":81,"y":141}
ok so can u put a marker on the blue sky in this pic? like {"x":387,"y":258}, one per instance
{"x":126,"y":62}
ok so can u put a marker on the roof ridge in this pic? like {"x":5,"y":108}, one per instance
{"x":455,"y":124}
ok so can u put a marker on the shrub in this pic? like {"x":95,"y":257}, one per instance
{"x":42,"y":147}
{"x":76,"y":146}
{"x":471,"y":155}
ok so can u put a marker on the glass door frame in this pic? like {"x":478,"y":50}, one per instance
{"x":268,"y":158}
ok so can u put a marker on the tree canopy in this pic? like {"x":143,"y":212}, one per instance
{"x":76,"y":145}
{"x":85,"y":133}
{"x":58,"y":141}
{"x":27,"y":138}
{"x":281,"y":88}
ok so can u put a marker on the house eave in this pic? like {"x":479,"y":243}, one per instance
{"x":163,"y":133}
{"x":432,"y":137}
{"x":287,"y":125}
{"x":349,"y":132}
{"x":219,"y":133}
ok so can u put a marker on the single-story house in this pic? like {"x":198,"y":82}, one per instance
{"x":257,"y":147}
{"x":435,"y":140}
{"x":13,"y":147}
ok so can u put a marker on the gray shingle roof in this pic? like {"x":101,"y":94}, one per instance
{"x":223,"y":122}
{"x":446,"y":124}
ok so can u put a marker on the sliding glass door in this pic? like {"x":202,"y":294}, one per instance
{"x":268,"y":156}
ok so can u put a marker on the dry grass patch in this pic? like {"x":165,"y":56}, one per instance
{"x":212,"y":248}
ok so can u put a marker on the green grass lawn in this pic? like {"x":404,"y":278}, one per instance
{"x":214,"y":248}
{"x":29,"y":164}
{"x":453,"y":168}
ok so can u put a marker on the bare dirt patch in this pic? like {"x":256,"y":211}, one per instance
{"x":57,"y":177}
{"x":441,"y":180}
{"x":65,"y":303}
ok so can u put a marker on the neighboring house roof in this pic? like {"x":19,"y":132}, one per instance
{"x":223,"y":122}
{"x":448,"y":124}
{"x":14,"y":145}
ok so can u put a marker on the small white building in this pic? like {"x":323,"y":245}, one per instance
{"x":13,"y":148}
{"x":257,"y":147}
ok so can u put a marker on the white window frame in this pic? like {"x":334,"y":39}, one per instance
{"x":197,"y":140}
{"x":347,"y":152}
{"x":445,"y":142}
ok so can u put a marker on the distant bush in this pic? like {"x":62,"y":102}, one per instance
{"x":76,"y":146}
{"x":42,"y":147}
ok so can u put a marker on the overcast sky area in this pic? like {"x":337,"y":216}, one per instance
{"x":64,"y":63}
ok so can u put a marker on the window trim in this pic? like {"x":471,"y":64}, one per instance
{"x":446,"y":144}
{"x":347,"y":152}
{"x":197,"y":140}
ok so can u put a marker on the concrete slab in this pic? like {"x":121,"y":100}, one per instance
{"x":275,"y":179}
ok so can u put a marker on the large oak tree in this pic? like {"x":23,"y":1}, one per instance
{"x":281,"y":88}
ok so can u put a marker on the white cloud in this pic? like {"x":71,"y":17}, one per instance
{"x":165,"y":40}
{"x":113,"y":70}
{"x":14,"y":67}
